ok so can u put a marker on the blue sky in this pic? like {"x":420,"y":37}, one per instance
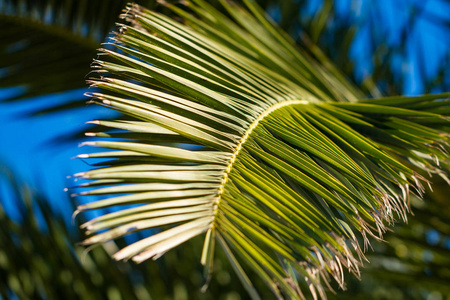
{"x":29,"y":148}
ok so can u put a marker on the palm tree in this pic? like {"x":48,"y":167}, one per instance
{"x":266,"y":76}
{"x":234,"y":133}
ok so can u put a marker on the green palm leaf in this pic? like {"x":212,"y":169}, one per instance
{"x":240,"y":136}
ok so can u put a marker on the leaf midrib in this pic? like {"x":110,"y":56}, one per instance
{"x":241,"y":143}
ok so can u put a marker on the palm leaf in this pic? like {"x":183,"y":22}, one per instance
{"x":240,"y":136}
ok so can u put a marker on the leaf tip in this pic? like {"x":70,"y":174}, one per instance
{"x":87,"y":144}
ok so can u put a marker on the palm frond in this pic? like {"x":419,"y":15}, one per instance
{"x":240,"y":136}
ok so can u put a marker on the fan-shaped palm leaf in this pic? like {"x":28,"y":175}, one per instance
{"x":240,"y":136}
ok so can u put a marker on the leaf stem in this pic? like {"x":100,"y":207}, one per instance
{"x":244,"y":138}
